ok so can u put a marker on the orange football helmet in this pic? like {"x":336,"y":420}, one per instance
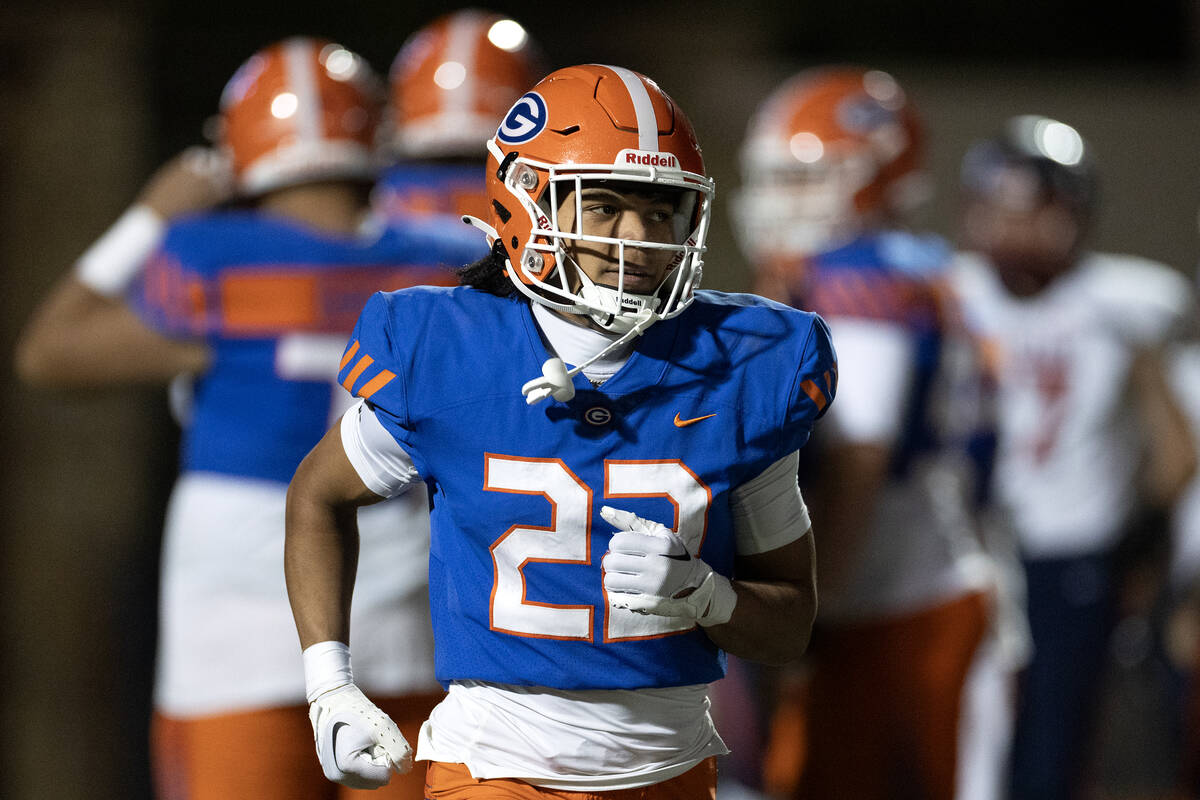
{"x":453,"y":80}
{"x":588,"y":124}
{"x":300,"y":110}
{"x":828,"y":151}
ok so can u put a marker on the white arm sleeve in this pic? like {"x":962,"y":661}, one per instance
{"x":116,"y":258}
{"x":768,"y":510}
{"x":876,"y":362}
{"x":384,"y":466}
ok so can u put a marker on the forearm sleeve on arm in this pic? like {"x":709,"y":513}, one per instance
{"x":768,"y":510}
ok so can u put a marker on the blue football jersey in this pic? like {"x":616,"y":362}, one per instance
{"x":706,"y":401}
{"x":275,"y":301}
{"x":893,"y":277}
{"x":417,"y":189}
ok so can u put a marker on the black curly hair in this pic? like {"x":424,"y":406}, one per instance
{"x":488,"y":273}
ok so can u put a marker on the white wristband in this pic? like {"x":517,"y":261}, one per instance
{"x":116,"y":258}
{"x":326,"y":667}
{"x":724,"y":599}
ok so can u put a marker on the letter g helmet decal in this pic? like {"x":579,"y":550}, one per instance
{"x":525,"y":120}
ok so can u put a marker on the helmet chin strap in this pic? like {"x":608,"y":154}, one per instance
{"x":615,"y":312}
{"x":478,"y":224}
{"x":556,"y":380}
{"x":604,"y":307}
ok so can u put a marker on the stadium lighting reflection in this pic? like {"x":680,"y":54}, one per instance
{"x":806,"y":147}
{"x":450,"y":75}
{"x":284,"y":105}
{"x":507,"y":34}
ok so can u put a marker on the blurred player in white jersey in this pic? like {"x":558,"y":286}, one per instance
{"x":832,"y":161}
{"x":1088,"y":433}
{"x":252,"y":299}
{"x":1181,"y":634}
{"x":451,"y":84}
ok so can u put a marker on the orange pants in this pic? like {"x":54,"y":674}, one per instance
{"x":267,"y":755}
{"x":881,"y":712}
{"x":454,"y":782}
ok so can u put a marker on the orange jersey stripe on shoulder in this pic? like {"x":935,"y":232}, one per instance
{"x":815,"y":394}
{"x":375,"y":384}
{"x":358,"y":370}
{"x":350,"y":351}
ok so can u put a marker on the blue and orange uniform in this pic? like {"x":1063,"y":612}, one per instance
{"x":274,"y":300}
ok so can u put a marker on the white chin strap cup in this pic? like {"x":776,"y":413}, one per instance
{"x":556,"y":379}
{"x":555,"y":382}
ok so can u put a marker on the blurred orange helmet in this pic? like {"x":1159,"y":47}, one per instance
{"x":827,"y":152}
{"x":580,"y":126}
{"x":300,"y":110}
{"x":453,"y":80}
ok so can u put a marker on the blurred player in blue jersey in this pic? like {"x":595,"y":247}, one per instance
{"x":451,"y":84}
{"x":252,"y":301}
{"x":602,"y":533}
{"x":832,"y":160}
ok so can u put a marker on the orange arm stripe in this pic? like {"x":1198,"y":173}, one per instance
{"x":814,"y":394}
{"x":375,"y":384}
{"x":349,"y":355}
{"x":362,"y":364}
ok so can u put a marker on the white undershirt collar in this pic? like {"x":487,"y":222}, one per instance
{"x":575,"y":343}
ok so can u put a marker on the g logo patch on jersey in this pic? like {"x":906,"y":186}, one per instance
{"x":525,"y":120}
{"x":597,"y":415}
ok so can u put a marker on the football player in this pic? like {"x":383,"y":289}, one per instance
{"x":252,"y":300}
{"x":832,"y":164}
{"x":612,"y":455}
{"x":1181,"y":626}
{"x":1088,"y":433}
{"x":451,"y":84}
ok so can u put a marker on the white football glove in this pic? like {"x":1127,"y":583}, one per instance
{"x":357,"y":743}
{"x":648,"y":569}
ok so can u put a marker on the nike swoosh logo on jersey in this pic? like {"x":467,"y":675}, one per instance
{"x":683,"y":423}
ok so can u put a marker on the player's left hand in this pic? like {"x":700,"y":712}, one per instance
{"x":648,"y":569}
{"x":358,"y":745}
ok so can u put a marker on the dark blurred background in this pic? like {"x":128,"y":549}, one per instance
{"x":94,"y":95}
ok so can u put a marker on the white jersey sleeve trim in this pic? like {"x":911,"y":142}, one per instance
{"x":768,"y":510}
{"x":382,"y":464}
{"x":876,"y":365}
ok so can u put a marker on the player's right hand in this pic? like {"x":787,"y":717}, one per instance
{"x":358,"y":745}
{"x":195,"y":180}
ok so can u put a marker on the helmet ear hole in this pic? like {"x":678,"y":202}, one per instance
{"x":503,"y":213}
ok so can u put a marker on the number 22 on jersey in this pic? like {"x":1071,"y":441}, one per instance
{"x":567,"y":540}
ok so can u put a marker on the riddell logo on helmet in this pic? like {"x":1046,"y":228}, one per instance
{"x":645,"y":158}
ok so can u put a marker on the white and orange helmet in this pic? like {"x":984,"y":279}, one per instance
{"x":588,"y":124}
{"x":300,"y":110}
{"x":454,"y":79}
{"x":829,"y":149}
